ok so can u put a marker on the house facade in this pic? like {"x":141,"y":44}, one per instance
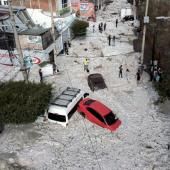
{"x":33,"y":38}
{"x":84,"y":9}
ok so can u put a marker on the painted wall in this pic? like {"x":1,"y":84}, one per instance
{"x":31,"y":42}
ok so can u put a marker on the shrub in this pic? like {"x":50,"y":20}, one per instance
{"x":64,"y":10}
{"x":22,"y":103}
{"x":79,"y":27}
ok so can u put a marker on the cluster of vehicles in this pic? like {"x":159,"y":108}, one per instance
{"x":71,"y":99}
{"x":64,"y":105}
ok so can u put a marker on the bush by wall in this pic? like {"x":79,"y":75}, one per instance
{"x":22,"y":103}
{"x":79,"y":27}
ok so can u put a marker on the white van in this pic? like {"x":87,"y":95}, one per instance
{"x":64,"y":105}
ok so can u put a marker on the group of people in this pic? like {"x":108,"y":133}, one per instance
{"x":102,"y":27}
{"x":67,"y":44}
{"x":111,"y":39}
{"x":138,"y":73}
{"x":156,"y":74}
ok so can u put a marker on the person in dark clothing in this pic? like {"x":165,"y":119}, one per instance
{"x":120,"y":71}
{"x":55,"y":68}
{"x":109,"y":39}
{"x":104,"y":27}
{"x":101,"y":25}
{"x":65,"y":48}
{"x":116,"y":22}
{"x":41,"y":75}
{"x":114,"y":40}
{"x":138,"y":76}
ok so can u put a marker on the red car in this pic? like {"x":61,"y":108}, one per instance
{"x":98,"y":113}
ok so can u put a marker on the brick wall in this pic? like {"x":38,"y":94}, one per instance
{"x":35,"y":4}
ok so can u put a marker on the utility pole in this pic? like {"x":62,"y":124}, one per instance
{"x":53,"y":30}
{"x":17,"y":42}
{"x":144,"y":32}
{"x":134,"y":10}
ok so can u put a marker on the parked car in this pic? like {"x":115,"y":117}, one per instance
{"x":98,"y":113}
{"x":64,"y":105}
{"x":96,"y":82}
{"x":127,"y":14}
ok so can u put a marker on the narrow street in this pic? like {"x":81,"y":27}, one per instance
{"x":141,"y":141}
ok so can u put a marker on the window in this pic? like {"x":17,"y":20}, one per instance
{"x":110,"y":118}
{"x":56,"y":117}
{"x":5,"y":2}
{"x":97,"y":115}
{"x":0,"y":3}
{"x":64,"y":3}
{"x":89,"y":102}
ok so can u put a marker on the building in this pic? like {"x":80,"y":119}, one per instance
{"x":60,"y":7}
{"x":34,"y":39}
{"x":84,"y":9}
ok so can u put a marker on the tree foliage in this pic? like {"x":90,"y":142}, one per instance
{"x":21,"y":102}
{"x":79,"y":27}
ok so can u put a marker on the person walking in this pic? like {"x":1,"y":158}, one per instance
{"x":121,"y":71}
{"x":55,"y":68}
{"x":65,"y":47}
{"x":116,"y":22}
{"x":127,"y":74}
{"x":109,"y":39}
{"x":41,"y":75}
{"x":114,"y":40}
{"x":99,"y":27}
{"x":101,"y":24}
{"x":86,"y":64}
{"x":138,"y":76}
{"x":104,"y":27}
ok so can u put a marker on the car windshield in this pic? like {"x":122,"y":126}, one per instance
{"x":110,"y":118}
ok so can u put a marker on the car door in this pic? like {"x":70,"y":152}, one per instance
{"x":95,"y":117}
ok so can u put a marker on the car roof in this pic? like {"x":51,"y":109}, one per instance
{"x":97,"y":80}
{"x":98,"y":106}
{"x":95,"y":76}
{"x":66,"y":97}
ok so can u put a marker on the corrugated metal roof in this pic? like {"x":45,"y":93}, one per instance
{"x":4,"y":15}
{"x":34,"y":31}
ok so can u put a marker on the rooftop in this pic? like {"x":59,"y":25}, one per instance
{"x":34,"y":31}
{"x":15,"y":8}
